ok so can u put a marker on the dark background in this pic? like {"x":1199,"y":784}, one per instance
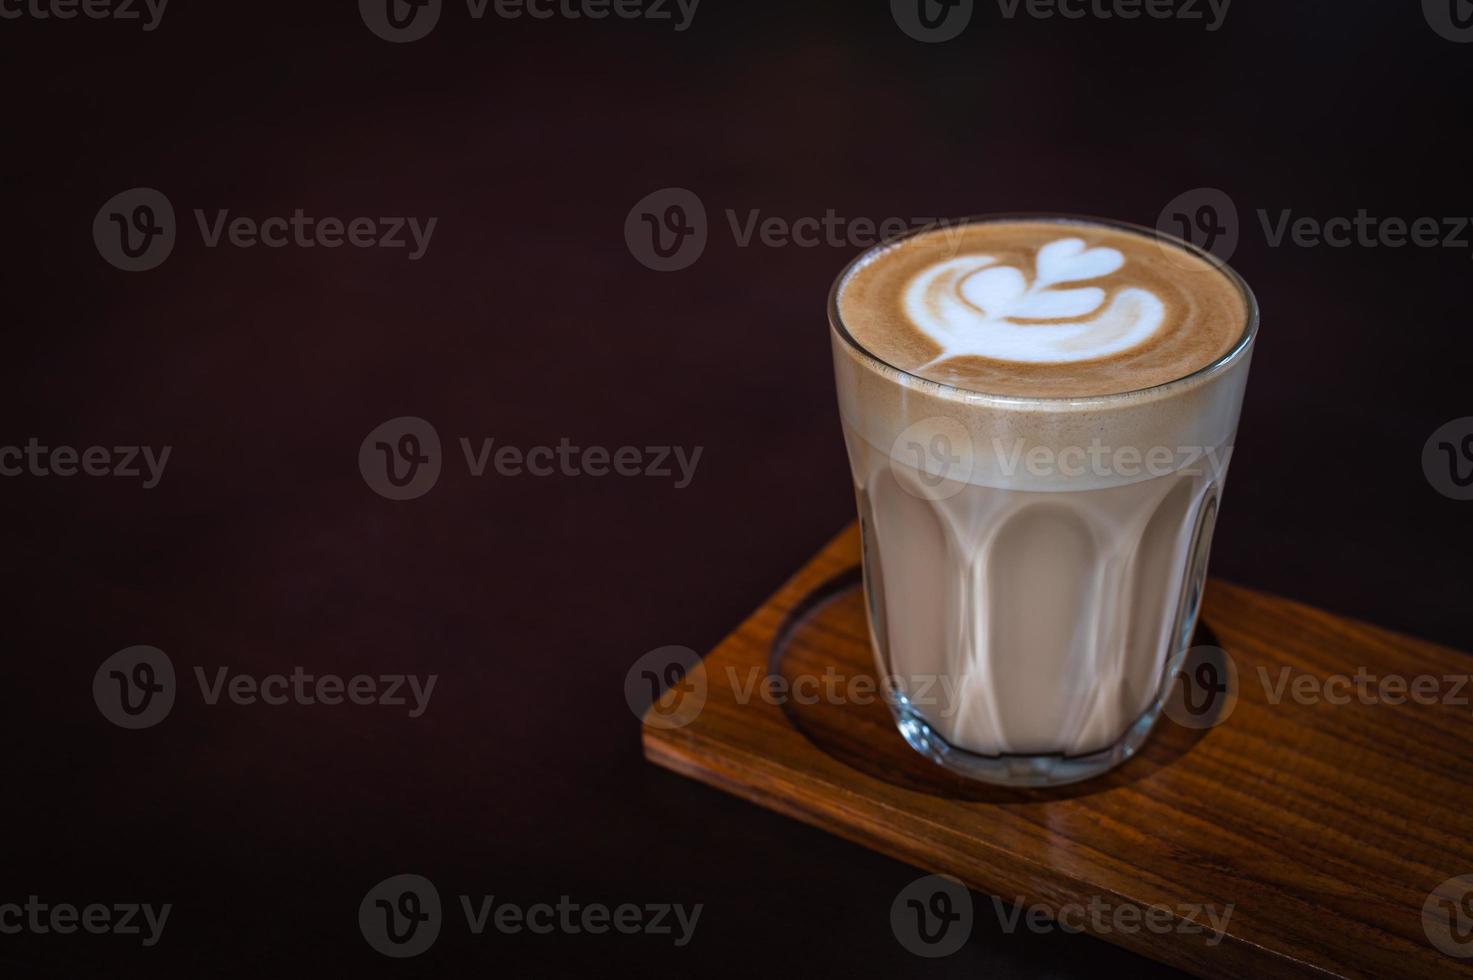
{"x":528,"y":320}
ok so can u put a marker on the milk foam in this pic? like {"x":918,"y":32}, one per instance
{"x":1042,"y":308}
{"x":973,"y":305}
{"x":1014,"y":336}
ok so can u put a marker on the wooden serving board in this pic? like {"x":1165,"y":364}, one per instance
{"x":1327,"y":827}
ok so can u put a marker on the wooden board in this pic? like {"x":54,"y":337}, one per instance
{"x":1325,"y":826}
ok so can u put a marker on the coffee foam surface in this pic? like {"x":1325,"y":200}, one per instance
{"x":1041,"y":309}
{"x":1008,"y":336}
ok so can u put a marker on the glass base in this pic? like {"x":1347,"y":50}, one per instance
{"x":1018,"y":770}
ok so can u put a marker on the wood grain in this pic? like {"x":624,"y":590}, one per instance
{"x":1325,"y":826}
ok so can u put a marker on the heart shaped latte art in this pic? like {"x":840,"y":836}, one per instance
{"x":971,"y":306}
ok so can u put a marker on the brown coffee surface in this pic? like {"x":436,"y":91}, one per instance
{"x":1042,"y":308}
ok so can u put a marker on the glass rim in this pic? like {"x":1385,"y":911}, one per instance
{"x":1220,"y":363}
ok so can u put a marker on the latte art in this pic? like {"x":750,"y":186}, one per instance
{"x":1039,"y":308}
{"x":973,"y":305}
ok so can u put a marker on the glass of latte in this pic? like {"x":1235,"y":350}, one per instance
{"x":1039,"y":412}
